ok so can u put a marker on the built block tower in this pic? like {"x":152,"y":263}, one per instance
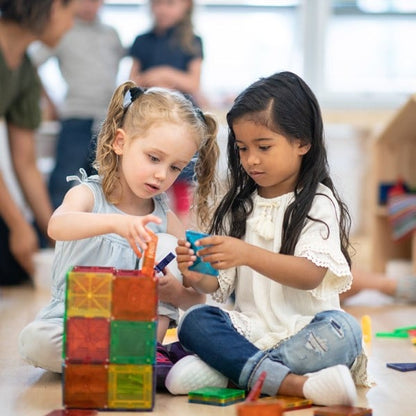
{"x":109,"y":344}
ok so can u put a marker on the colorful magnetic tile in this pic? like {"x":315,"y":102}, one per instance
{"x":89,"y":294}
{"x":72,"y":412}
{"x":342,"y":411}
{"x":405,"y":328}
{"x":402,"y":332}
{"x":132,"y":342}
{"x":290,"y":402}
{"x":216,"y":396}
{"x":87,"y":340}
{"x":199,"y":265}
{"x":85,"y":386}
{"x":93,"y":269}
{"x":134,"y":297}
{"x":131,"y":387}
{"x":150,"y":256}
{"x":398,"y":334}
{"x":164,"y":262}
{"x":402,"y":366}
{"x":259,"y":408}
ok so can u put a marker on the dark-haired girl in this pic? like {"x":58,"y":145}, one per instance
{"x":280,"y":242}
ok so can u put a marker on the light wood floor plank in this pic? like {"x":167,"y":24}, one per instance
{"x":27,"y":391}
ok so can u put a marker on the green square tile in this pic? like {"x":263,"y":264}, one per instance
{"x":216,"y":396}
{"x":130,"y":387}
{"x":133,"y":342}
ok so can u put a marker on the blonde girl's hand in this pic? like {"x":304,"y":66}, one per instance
{"x":223,"y":252}
{"x":134,"y":230}
{"x":169,"y":288}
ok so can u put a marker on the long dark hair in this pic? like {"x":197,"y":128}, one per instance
{"x":286,"y":105}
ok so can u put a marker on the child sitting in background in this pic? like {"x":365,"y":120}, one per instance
{"x":170,"y":55}
{"x":148,"y":137}
{"x":280,"y":242}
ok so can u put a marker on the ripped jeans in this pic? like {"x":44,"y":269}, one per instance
{"x":332,"y":337}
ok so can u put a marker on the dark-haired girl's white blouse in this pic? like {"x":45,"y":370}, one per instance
{"x":267,"y":312}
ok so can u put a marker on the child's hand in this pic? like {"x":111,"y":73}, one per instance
{"x":223,"y":252}
{"x":169,"y":288}
{"x":133,"y":229}
{"x":185,"y":257}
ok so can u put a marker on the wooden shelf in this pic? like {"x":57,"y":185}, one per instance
{"x":393,"y":157}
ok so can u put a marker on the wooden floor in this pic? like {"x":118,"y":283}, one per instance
{"x":28,"y":391}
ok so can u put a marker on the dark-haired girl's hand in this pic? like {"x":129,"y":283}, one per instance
{"x":185,"y":257}
{"x":223,"y":252}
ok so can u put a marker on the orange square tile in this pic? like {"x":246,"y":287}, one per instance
{"x":87,"y":340}
{"x":134,"y":297}
{"x":85,"y":386}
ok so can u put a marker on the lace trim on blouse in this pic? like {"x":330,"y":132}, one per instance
{"x":338,"y":279}
{"x":226,"y":281}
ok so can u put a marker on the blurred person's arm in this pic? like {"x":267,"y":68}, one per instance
{"x":23,"y":156}
{"x":39,"y":53}
{"x":23,"y":241}
{"x":169,"y":77}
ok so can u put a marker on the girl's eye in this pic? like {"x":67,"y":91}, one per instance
{"x":154,"y":158}
{"x":241,"y":149}
{"x":176,"y":169}
{"x":264,"y":148}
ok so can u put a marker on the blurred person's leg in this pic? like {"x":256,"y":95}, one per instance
{"x":11,"y":273}
{"x":73,"y":152}
{"x":402,"y":289}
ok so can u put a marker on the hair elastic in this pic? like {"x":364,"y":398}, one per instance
{"x":197,"y":110}
{"x":131,"y":95}
{"x":201,"y":114}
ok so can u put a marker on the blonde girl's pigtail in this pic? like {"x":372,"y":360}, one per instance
{"x":106,"y":160}
{"x":206,"y":173}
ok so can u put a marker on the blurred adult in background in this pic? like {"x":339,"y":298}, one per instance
{"x":88,"y":58}
{"x":21,"y":23}
{"x":170,"y":55}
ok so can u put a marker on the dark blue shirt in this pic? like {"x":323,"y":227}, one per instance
{"x":153,"y":49}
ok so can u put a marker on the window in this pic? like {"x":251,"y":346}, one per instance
{"x":353,"y":53}
{"x":368,"y":51}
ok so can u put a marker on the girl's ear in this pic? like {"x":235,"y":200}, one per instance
{"x":119,"y":141}
{"x":303,"y":147}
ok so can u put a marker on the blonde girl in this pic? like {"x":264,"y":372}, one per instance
{"x":148,"y":137}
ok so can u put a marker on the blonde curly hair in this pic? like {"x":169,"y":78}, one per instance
{"x":136,"y":116}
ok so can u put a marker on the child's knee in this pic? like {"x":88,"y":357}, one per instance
{"x":40,"y":344}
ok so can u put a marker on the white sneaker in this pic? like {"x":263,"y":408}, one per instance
{"x":191,"y":373}
{"x":331,"y":386}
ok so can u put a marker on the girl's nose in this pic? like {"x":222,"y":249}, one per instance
{"x":160,"y":174}
{"x":252,"y":159}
